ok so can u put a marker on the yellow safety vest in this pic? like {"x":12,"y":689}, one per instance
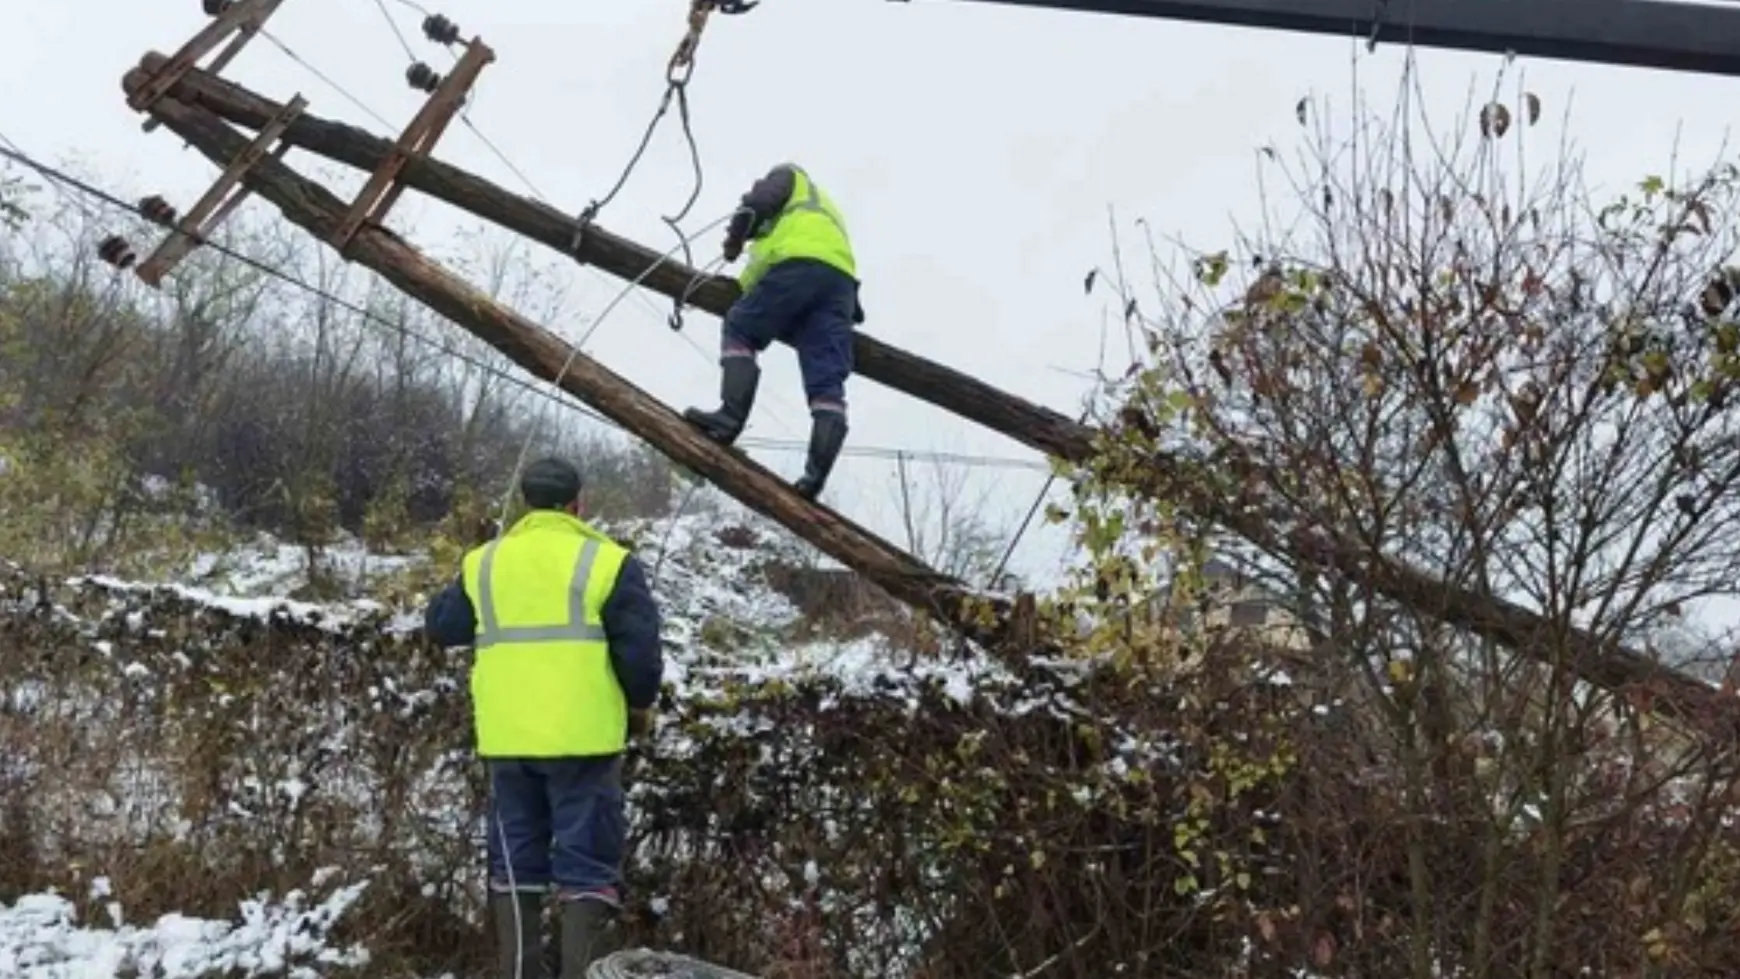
{"x":809,"y":226}
{"x":542,"y":685}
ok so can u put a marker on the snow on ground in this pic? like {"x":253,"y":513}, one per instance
{"x":41,"y":937}
{"x":268,"y":566}
{"x":700,"y":581}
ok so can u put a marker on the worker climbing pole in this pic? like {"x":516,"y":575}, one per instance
{"x":678,"y":71}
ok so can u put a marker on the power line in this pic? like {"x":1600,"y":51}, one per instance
{"x":464,"y":117}
{"x":324,"y":77}
{"x":394,"y":24}
{"x":62,"y":179}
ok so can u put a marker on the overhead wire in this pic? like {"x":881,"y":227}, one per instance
{"x":64,"y":181}
{"x":290,"y":53}
{"x":394,"y":24}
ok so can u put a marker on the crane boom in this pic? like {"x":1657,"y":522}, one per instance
{"x":1663,"y":34}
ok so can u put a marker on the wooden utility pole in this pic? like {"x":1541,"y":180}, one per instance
{"x":236,"y":21}
{"x":1603,"y":664}
{"x":219,"y":202}
{"x":956,"y":392}
{"x":315,"y":209}
{"x":446,"y":95}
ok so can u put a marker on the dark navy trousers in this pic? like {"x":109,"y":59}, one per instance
{"x":810,"y":305}
{"x":557,"y":821}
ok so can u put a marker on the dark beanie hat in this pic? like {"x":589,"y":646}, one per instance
{"x":550,"y":484}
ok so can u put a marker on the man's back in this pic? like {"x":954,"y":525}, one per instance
{"x":543,"y":684}
{"x":567,"y":638}
{"x":567,"y":642}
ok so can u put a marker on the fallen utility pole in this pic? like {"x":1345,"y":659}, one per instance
{"x":446,"y":94}
{"x":960,"y":394}
{"x":1600,"y":663}
{"x":237,"y":21}
{"x":317,"y":210}
{"x":218,"y":202}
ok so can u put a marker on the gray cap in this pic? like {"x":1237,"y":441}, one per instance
{"x":550,"y":484}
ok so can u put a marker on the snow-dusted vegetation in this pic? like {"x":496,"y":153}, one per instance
{"x":226,"y":748}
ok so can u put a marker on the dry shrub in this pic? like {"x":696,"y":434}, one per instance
{"x":1395,"y":799}
{"x":942,"y":822}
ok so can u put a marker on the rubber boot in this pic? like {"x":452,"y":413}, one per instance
{"x":519,"y":931}
{"x":585,"y":927}
{"x":738,"y":378}
{"x":827,"y":435}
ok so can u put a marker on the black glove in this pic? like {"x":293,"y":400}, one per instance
{"x":640,"y":722}
{"x":733,"y":248}
{"x":857,"y":311}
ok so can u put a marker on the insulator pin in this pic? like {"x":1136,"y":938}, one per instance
{"x":115,"y":251}
{"x":440,"y":30}
{"x":157,"y":210}
{"x":422,"y":77}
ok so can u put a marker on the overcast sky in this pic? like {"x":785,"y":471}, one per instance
{"x":974,"y":148}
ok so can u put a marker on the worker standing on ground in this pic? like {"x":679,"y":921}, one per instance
{"x":568,"y":659}
{"x":800,"y":286}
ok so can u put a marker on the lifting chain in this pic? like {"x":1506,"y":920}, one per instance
{"x":678,"y":71}
{"x":682,"y":63}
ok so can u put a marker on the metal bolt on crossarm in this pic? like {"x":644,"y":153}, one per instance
{"x":158,"y":211}
{"x":117,"y":252}
{"x":422,"y":77}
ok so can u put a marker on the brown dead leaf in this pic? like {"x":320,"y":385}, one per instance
{"x":1531,"y":107}
{"x":1468,"y":392}
{"x":1323,"y":950}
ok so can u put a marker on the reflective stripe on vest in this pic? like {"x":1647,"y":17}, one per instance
{"x":812,"y":201}
{"x":785,"y":239}
{"x":576,"y":630}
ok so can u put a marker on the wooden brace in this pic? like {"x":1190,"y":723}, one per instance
{"x":383,"y":188}
{"x":243,"y":18}
{"x":221,"y":199}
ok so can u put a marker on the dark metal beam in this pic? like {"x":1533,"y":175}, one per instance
{"x":1641,"y":33}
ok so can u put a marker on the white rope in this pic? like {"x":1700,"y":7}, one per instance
{"x":556,"y":384}
{"x":507,"y":861}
